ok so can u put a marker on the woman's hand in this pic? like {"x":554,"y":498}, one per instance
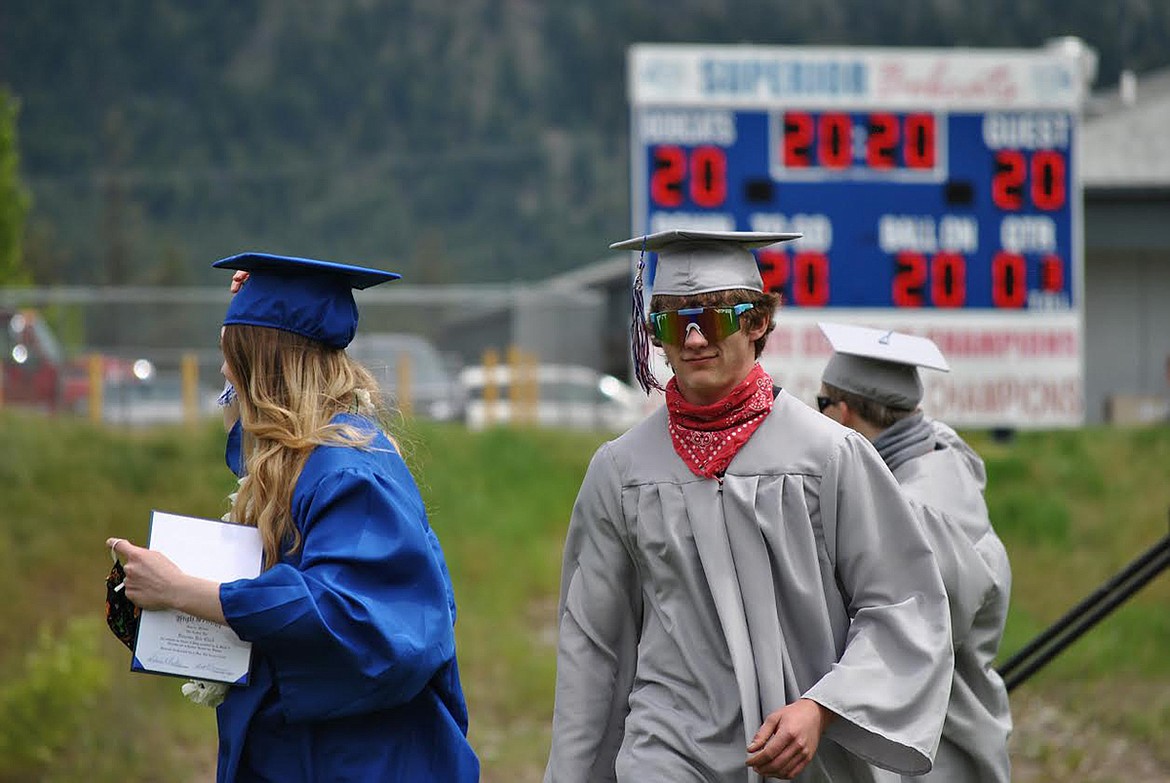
{"x":238,"y":280}
{"x":153,"y":581}
{"x":151,"y":578}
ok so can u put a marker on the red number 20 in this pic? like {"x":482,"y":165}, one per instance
{"x":707,"y":167}
{"x":1043,"y":179}
{"x":947,"y":273}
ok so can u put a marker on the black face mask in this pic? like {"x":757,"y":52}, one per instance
{"x":121,"y":614}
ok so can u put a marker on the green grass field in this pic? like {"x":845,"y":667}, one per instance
{"x":1072,"y":507}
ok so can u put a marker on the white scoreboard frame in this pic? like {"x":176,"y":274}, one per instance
{"x":1014,"y":369}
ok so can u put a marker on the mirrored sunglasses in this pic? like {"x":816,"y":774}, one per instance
{"x":716,"y":323}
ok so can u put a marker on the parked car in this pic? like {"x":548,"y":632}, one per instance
{"x":36,"y":372}
{"x":158,"y":402}
{"x":562,"y":396}
{"x":431,"y":389}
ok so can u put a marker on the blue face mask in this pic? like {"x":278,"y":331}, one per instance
{"x":234,"y":453}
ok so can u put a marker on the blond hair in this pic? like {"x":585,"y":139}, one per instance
{"x":289,"y":387}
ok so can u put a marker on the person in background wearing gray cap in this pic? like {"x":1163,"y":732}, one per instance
{"x":741,"y":576}
{"x":872,"y":385}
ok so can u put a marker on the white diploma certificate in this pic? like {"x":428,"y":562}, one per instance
{"x":171,"y":642}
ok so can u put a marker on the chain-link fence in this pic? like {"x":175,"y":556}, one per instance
{"x":146,"y":355}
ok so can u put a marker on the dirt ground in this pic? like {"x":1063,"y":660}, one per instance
{"x":1050,"y":743}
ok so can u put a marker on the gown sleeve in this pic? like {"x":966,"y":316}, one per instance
{"x":363,"y":622}
{"x":968,"y":578}
{"x":599,"y":620}
{"x":891,"y":683}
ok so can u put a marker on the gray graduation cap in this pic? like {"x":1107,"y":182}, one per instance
{"x":696,"y":262}
{"x":879,"y":364}
{"x":692,"y":262}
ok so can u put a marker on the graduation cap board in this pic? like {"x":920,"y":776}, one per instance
{"x":692,"y":262}
{"x":880,"y":364}
{"x":696,"y":262}
{"x":305,"y":296}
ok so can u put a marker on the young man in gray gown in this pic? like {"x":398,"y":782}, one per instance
{"x":745,"y":590}
{"x":872,"y":385}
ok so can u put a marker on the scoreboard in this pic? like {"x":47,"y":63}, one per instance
{"x":937,"y":192}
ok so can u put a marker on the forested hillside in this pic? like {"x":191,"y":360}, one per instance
{"x":457,"y":141}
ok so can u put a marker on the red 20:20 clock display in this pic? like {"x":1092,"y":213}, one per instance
{"x":878,"y":141}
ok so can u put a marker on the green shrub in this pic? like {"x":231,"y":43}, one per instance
{"x":48,"y":707}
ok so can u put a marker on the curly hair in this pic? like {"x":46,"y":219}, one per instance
{"x":763,"y":311}
{"x":289,"y":387}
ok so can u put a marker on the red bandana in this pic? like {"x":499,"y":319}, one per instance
{"x":707,"y":437}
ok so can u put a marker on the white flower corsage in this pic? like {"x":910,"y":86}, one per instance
{"x":209,"y":694}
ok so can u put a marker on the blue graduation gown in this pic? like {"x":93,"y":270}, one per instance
{"x":354,"y":675}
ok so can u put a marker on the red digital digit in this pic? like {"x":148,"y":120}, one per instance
{"x":909,"y":279}
{"x":773,"y":269}
{"x":948,"y":280}
{"x":798,"y":139}
{"x":881,"y":144}
{"x":670,"y":167}
{"x":810,"y":284}
{"x":708,"y":177}
{"x":1051,"y":273}
{"x":1007,"y":185}
{"x":1048,"y":180}
{"x":835,"y":141}
{"x":1009,"y":282}
{"x":918,"y":150}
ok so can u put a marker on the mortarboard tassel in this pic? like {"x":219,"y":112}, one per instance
{"x":638,"y":335}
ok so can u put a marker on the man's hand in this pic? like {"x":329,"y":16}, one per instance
{"x":788,"y":739}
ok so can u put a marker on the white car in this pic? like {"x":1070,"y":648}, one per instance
{"x":560,"y":395}
{"x":158,"y":400}
{"x":396,"y":358}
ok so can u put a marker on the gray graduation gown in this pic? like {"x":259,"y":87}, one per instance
{"x":690,"y":610}
{"x":945,"y":486}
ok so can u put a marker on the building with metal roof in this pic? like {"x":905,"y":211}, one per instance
{"x":1125,"y":155}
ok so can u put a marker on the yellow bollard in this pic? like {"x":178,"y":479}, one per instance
{"x":525,"y":385}
{"x":515,"y":387}
{"x":97,"y":383}
{"x":189,"y":371}
{"x":517,"y":398}
{"x":491,"y":387}
{"x":402,"y":384}
{"x":532,"y":384}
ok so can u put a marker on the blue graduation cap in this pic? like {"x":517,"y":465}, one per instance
{"x":301,"y":295}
